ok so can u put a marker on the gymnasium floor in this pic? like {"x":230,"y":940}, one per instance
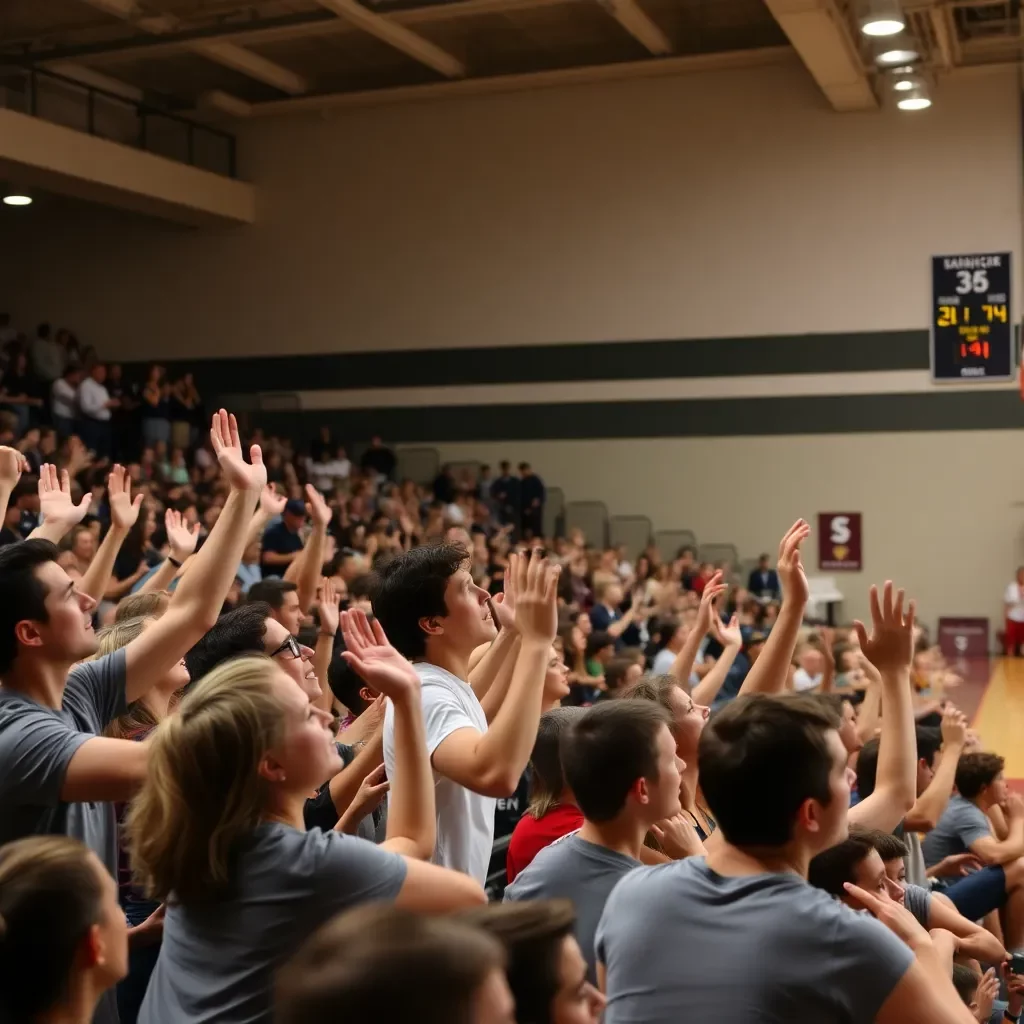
{"x":992,"y":696}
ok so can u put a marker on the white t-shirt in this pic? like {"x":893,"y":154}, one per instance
{"x":63,"y":399}
{"x":465,"y":820}
{"x":92,"y":400}
{"x":1014,"y":597}
{"x":803,"y":680}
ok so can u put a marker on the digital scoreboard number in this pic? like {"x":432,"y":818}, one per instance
{"x":972,"y":332}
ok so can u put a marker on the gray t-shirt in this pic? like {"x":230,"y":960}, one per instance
{"x":217,"y":962}
{"x":961,"y":824}
{"x":680,"y":942}
{"x":36,"y":746}
{"x":571,"y":868}
{"x":918,"y":900}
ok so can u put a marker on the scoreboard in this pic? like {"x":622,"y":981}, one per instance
{"x":971,"y":327}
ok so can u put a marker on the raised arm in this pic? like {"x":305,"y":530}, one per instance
{"x":870,"y":711}
{"x":928,"y":807}
{"x":731,"y":640}
{"x":412,"y":823}
{"x":890,"y":649}
{"x":496,"y":659}
{"x":305,"y":570}
{"x":769,"y":672}
{"x":181,"y":543}
{"x":492,"y":763}
{"x":271,"y":505}
{"x":59,"y":513}
{"x":199,"y":596}
{"x":12,"y":465}
{"x":328,"y":611}
{"x":683,"y":665}
{"x":123,"y":514}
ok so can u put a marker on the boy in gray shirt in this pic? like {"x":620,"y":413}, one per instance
{"x":741,"y":936}
{"x":620,"y":763}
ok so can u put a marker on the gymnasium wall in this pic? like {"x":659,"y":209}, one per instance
{"x":754,"y":266}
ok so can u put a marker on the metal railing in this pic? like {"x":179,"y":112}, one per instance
{"x":105,"y":114}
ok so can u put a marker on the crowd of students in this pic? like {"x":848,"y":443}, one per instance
{"x":259,"y":731}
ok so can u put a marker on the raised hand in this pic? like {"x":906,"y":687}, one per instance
{"x":790,"y":568}
{"x":826,"y":641}
{"x":12,"y":465}
{"x":986,"y":994}
{"x":318,"y":509}
{"x":503,"y":607}
{"x":241,"y":475}
{"x":180,"y":539}
{"x":376,"y":661}
{"x":327,"y":606}
{"x":371,"y":792}
{"x":123,"y":510}
{"x":55,"y":504}
{"x":953,"y":726}
{"x":271,"y":503}
{"x":890,"y":647}
{"x":727,"y":636}
{"x":713,"y":590}
{"x":536,"y":586}
{"x":678,"y":837}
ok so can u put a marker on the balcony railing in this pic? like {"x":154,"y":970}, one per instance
{"x":108,"y":115}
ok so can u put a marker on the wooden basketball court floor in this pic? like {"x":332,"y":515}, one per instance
{"x":992,"y":697}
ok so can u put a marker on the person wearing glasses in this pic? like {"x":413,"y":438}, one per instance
{"x":252,"y":629}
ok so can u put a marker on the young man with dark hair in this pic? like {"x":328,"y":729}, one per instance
{"x":480,"y":727}
{"x":282,"y":597}
{"x":674,"y":940}
{"x":965,"y":828}
{"x":873,"y":860}
{"x":58,"y":773}
{"x":620,"y":764}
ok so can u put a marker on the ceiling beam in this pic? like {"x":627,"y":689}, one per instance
{"x":401,"y":38}
{"x":821,"y":35}
{"x":96,"y":80}
{"x":245,"y":62}
{"x":216,"y":103}
{"x":227,"y":54}
{"x":639,"y":25}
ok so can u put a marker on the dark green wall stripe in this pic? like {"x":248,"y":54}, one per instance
{"x":616,"y":360}
{"x":731,"y":417}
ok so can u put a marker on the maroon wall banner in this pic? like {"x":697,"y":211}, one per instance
{"x":839,"y":541}
{"x":964,"y":638}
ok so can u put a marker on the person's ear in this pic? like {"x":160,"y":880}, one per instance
{"x":431,"y":626}
{"x":26,"y":632}
{"x":641,"y":792}
{"x":93,"y":951}
{"x":271,"y":769}
{"x":808,"y":816}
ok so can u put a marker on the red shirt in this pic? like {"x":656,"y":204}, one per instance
{"x":531,"y":835}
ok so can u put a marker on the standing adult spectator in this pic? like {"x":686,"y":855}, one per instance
{"x":18,"y":390}
{"x":47,"y":356}
{"x":379,"y":458}
{"x":156,"y":423}
{"x":763,"y":583}
{"x":95,"y":405}
{"x":1013,"y":601}
{"x":184,"y":408}
{"x":64,"y":400}
{"x":505,"y":493}
{"x":282,"y":542}
{"x":532,"y":495}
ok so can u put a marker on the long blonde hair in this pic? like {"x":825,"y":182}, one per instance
{"x":203,"y":792}
{"x":138,"y":716}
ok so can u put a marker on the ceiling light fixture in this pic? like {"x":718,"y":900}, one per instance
{"x":916,"y":98}
{"x":882,"y":18}
{"x":903,"y":79}
{"x":901,"y":51}
{"x":17,"y":200}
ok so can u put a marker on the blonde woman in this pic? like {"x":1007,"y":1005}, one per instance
{"x":217,"y":831}
{"x":63,"y":938}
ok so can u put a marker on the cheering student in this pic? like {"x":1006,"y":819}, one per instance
{"x":217,"y":832}
{"x":479,"y":730}
{"x":677,"y":941}
{"x":58,"y":775}
{"x":620,"y":764}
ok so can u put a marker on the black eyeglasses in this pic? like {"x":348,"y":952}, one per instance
{"x":290,"y":646}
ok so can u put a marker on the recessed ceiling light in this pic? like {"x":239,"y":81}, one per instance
{"x":897,"y":55}
{"x":881,"y":18}
{"x":17,"y":200}
{"x":916,"y":98}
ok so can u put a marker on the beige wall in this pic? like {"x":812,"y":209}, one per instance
{"x":942,"y":511}
{"x":729,"y":203}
